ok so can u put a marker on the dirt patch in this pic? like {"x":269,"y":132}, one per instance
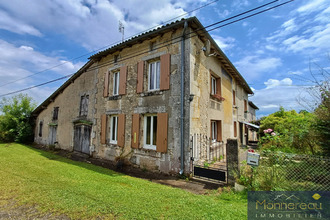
{"x":10,"y":210}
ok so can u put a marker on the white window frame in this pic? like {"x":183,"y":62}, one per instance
{"x":213,"y":85}
{"x":113,"y":129}
{"x":214,"y":131}
{"x":154,"y":67}
{"x":115,"y":84}
{"x":145,"y":145}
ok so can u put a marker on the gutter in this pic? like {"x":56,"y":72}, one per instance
{"x":183,"y":38}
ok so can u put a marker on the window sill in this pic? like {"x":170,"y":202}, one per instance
{"x":151,"y":93}
{"x":149,"y":147}
{"x":116,"y":97}
{"x":217,"y":97}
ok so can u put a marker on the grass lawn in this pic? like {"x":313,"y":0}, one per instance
{"x":83,"y":191}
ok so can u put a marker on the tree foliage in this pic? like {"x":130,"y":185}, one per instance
{"x":289,"y":131}
{"x":15,"y":121}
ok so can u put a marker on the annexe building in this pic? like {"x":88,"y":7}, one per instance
{"x":147,"y":96}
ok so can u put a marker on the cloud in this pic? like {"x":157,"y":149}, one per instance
{"x":278,"y":93}
{"x":21,"y":61}
{"x":311,"y":6}
{"x":271,"y":83}
{"x":254,"y":66}
{"x":224,"y":43}
{"x":16,"y":26}
{"x":93,"y":24}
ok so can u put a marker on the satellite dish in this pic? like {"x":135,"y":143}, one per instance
{"x":207,"y":48}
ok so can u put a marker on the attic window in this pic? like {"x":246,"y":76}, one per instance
{"x":115,"y":58}
{"x":55,"y":113}
{"x":84,"y":105}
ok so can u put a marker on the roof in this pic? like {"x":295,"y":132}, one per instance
{"x":193,"y":22}
{"x":250,"y":124}
{"x":253,"y":105}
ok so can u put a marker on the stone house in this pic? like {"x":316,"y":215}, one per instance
{"x":147,"y":96}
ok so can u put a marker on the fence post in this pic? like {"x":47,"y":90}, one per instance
{"x":232,"y":160}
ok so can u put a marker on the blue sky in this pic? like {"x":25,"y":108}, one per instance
{"x":274,"y":51}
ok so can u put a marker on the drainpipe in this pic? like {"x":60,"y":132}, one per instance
{"x":182,"y":95}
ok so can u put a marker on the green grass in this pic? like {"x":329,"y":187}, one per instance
{"x":82,"y":191}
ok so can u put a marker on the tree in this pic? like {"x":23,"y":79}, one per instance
{"x":319,"y":103}
{"x":289,"y":131}
{"x":15,"y":119}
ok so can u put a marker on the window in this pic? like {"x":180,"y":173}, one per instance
{"x":113,"y":129}
{"x":245,"y":106}
{"x":116,"y":83}
{"x":216,"y":131}
{"x":154,"y":76}
{"x":40,"y":128}
{"x":55,"y":113}
{"x":213,"y":85}
{"x":150,"y":131}
{"x":84,"y":105}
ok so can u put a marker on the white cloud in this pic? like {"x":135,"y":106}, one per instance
{"x":252,"y":67}
{"x":271,"y":83}
{"x":224,"y":43}
{"x":278,"y":93}
{"x":17,"y":26}
{"x":19,"y":62}
{"x":311,"y":6}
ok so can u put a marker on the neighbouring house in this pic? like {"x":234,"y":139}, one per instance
{"x":148,"y":95}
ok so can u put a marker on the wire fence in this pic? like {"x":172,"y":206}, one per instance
{"x":281,"y":171}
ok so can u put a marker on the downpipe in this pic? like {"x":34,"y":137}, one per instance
{"x":183,"y":38}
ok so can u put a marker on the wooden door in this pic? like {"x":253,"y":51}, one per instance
{"x":82,"y":134}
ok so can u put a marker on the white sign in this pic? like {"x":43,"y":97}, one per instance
{"x":253,"y":159}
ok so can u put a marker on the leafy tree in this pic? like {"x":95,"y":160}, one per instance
{"x":289,"y":131}
{"x":15,"y":121}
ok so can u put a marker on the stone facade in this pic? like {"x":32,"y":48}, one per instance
{"x":96,"y":118}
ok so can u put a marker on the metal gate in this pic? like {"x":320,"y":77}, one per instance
{"x":208,"y":159}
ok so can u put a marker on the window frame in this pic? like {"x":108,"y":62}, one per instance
{"x":213,"y":85}
{"x":155,"y":83}
{"x":113,"y":129}
{"x":152,"y":138}
{"x":115,"y":83}
{"x":55,"y":113}
{"x":214,"y":131}
{"x":83,"y":111}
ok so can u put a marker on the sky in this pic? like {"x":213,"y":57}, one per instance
{"x":275,"y":51}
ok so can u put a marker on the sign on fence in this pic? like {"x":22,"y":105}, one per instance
{"x":253,"y":158}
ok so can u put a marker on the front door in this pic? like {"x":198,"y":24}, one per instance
{"x":82,"y":134}
{"x":52,"y":134}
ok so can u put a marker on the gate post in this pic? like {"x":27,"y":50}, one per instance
{"x":232,"y":160}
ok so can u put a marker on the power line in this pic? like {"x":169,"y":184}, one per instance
{"x":107,"y":46}
{"x":171,"y":41}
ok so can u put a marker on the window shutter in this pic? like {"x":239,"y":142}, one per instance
{"x":235,"y":129}
{"x":140,"y":71}
{"x":121,"y":130}
{"x":165,"y":65}
{"x":210,"y":83}
{"x":103,"y":128}
{"x":106,"y":85}
{"x":161,"y":145}
{"x":245,"y":105}
{"x":219,"y":131}
{"x":135,"y":130}
{"x":122,"y":80}
{"x":218,"y":81}
{"x":234,"y":97}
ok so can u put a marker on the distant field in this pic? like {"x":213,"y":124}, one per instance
{"x":57,"y":185}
